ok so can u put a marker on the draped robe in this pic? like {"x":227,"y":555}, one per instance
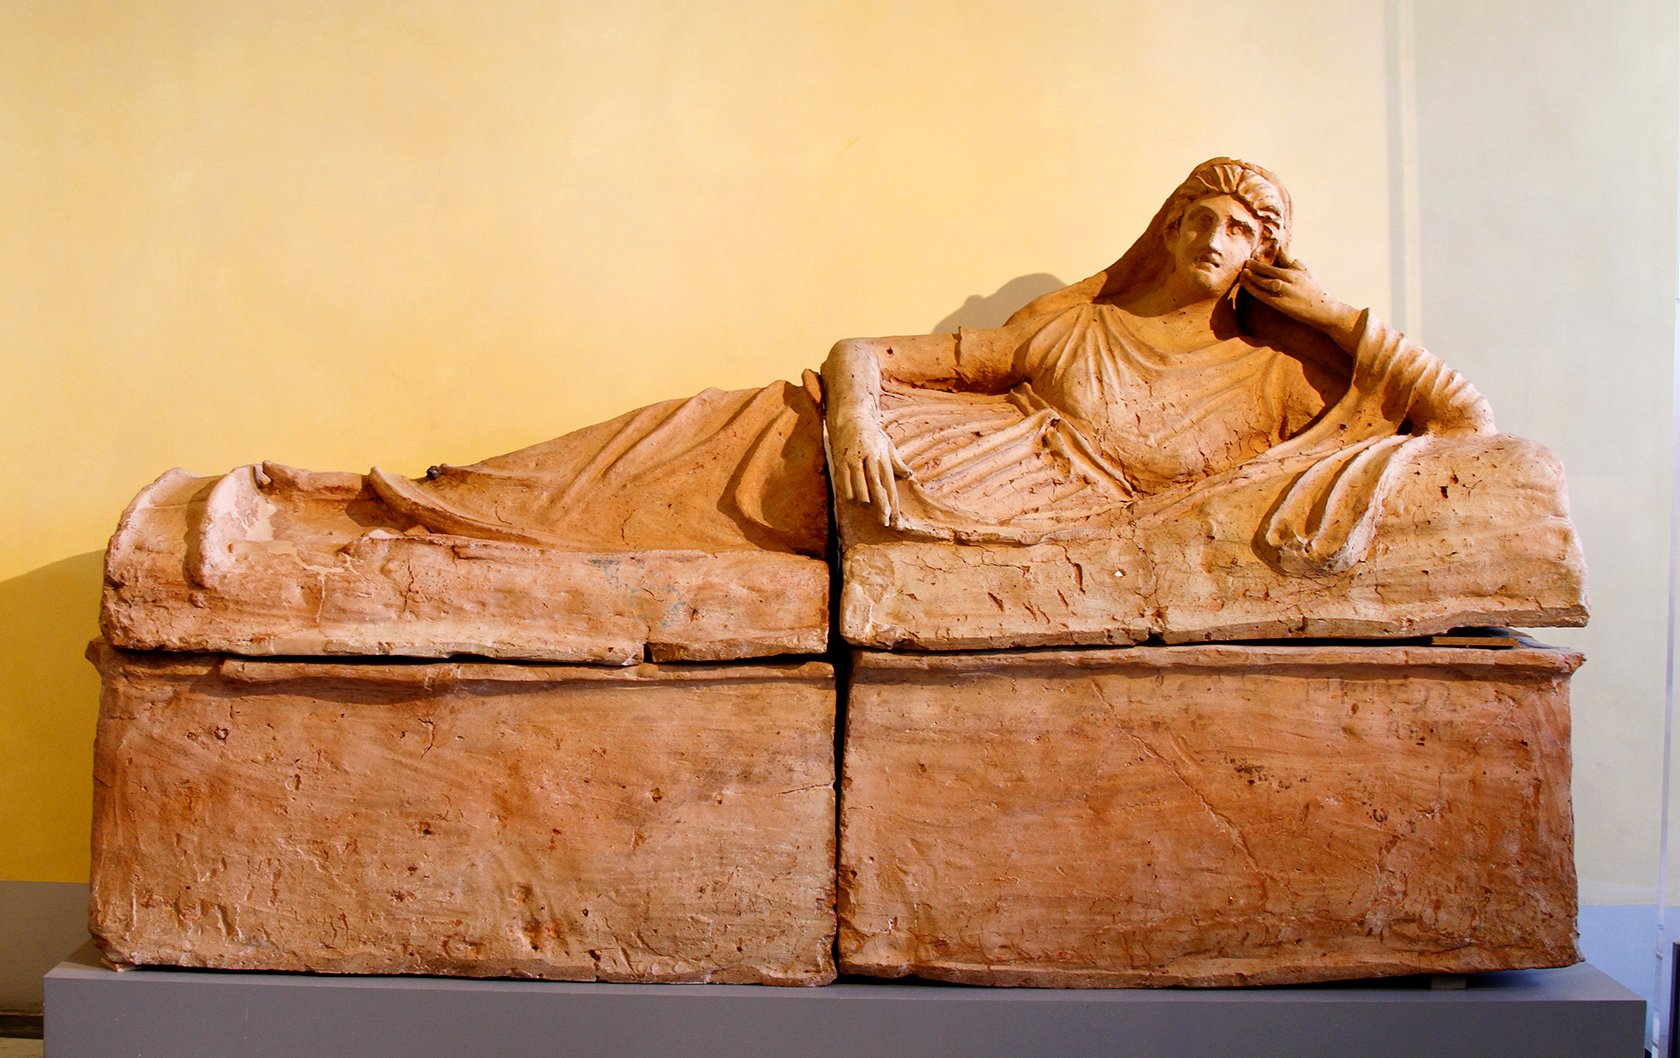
{"x":1104,"y":430}
{"x":718,"y":471}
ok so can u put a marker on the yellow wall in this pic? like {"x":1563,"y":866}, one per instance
{"x":337,"y":234}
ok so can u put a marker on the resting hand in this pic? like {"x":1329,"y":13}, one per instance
{"x":1289,"y":287}
{"x":865,"y":466}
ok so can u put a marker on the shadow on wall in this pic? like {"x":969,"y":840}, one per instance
{"x":992,"y":309}
{"x":49,"y":701}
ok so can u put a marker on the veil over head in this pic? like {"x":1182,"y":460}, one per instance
{"x":1257,"y":188}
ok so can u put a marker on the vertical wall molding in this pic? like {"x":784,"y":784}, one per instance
{"x":1405,"y":226}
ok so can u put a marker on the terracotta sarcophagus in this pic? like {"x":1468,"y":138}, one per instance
{"x":570,"y":712}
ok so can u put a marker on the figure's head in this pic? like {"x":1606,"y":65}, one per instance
{"x":1226,"y":213}
{"x":1229,"y":188}
{"x":1260,"y":193}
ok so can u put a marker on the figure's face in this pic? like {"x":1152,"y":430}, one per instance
{"x":1212,"y":241}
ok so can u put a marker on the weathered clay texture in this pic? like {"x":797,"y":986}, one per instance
{"x":1197,"y":442}
{"x":1207,"y":815}
{"x":1472,"y":531}
{"x":693,"y":530}
{"x":651,"y":824}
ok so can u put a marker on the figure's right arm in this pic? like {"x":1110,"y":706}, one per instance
{"x":862,"y":460}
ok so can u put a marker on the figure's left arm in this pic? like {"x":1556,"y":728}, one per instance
{"x":1407,"y":378}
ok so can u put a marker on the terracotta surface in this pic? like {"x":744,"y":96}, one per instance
{"x":1207,"y":815}
{"x":1198,"y":442}
{"x":690,"y":530}
{"x":1472,"y":531}
{"x":651,"y":824}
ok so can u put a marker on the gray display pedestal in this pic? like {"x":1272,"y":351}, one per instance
{"x":93,"y":1012}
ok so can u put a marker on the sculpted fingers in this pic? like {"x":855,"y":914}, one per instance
{"x":864,"y":473}
{"x":1273,"y":278}
{"x":882,"y":489}
{"x":842,"y":473}
{"x":840,"y":476}
{"x":851,"y":476}
{"x":864,"y":466}
{"x":1263,"y":280}
{"x":1294,"y":291}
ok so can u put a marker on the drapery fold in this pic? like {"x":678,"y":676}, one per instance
{"x":740,"y":470}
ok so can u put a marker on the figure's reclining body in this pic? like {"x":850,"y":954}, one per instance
{"x":1197,"y":443}
{"x":1221,"y":515}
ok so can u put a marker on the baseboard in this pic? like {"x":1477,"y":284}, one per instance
{"x":21,"y":1027}
{"x":39,"y":923}
{"x":1621,"y":940}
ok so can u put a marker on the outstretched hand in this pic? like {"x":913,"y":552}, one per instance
{"x":866,"y":467}
{"x":1288,"y":286}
